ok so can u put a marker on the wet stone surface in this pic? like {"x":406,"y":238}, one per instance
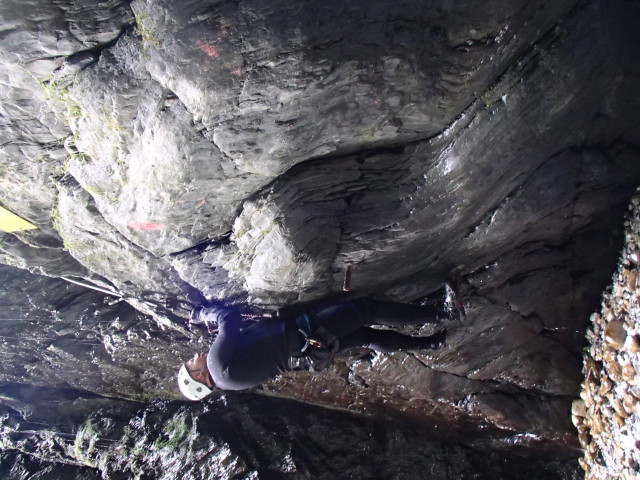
{"x":238,"y":436}
{"x":253,"y":151}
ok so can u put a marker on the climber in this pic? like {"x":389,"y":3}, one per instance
{"x":245,"y":354}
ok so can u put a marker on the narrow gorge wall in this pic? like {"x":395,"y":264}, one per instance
{"x":241,"y":437}
{"x":252,"y":152}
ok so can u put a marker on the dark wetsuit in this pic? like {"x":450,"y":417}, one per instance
{"x":244,"y":355}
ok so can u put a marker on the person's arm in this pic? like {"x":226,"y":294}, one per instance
{"x":227,"y":321}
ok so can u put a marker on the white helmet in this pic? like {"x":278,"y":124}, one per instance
{"x":189,"y":387}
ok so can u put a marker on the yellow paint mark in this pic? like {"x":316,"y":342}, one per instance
{"x":10,"y":222}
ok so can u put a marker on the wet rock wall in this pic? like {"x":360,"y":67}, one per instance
{"x":239,"y":436}
{"x":253,"y":152}
{"x":61,"y":335}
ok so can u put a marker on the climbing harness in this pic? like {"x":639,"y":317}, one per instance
{"x":320,"y":345}
{"x":305,"y":330}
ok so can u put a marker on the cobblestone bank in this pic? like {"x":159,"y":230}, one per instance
{"x":607,"y":414}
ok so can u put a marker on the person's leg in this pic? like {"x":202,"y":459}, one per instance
{"x":394,"y":314}
{"x":339,"y":318}
{"x":345,"y":317}
{"x":387,"y":341}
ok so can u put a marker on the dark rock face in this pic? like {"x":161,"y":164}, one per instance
{"x":57,"y":334}
{"x":240,"y":436}
{"x":399,"y":140}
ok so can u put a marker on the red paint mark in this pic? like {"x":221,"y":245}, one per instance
{"x":144,"y":225}
{"x":210,"y":50}
{"x":223,"y":24}
{"x":210,"y":47}
{"x":223,"y":29}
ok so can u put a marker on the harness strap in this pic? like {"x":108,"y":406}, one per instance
{"x":309,"y":342}
{"x":320,"y":345}
{"x":319,"y":337}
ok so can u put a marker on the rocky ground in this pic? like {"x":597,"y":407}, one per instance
{"x":240,"y":437}
{"x":607,"y":415}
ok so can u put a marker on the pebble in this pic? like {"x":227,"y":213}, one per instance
{"x":607,"y":414}
{"x":605,"y":385}
{"x":619,"y":408}
{"x":628,"y":373}
{"x":618,"y":420}
{"x":629,"y":403}
{"x":631,"y":281}
{"x":584,"y":439}
{"x":578,"y":408}
{"x":615,"y":334}
{"x":615,"y":371}
{"x":577,"y":421}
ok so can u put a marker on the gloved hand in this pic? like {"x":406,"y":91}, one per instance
{"x":207,"y":315}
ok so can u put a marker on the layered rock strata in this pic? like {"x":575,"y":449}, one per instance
{"x":238,"y":437}
{"x":253,"y":151}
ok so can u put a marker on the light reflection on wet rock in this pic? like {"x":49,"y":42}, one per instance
{"x":235,"y":437}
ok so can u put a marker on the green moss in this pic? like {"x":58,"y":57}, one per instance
{"x":12,"y":261}
{"x":79,"y":157}
{"x":240,"y":233}
{"x":488,"y":98}
{"x":58,"y":94}
{"x":61,"y":95}
{"x":85,"y":443}
{"x":72,"y":247}
{"x":56,"y":219}
{"x":60,"y":169}
{"x":74,"y":110}
{"x":175,"y":434}
{"x":148,"y":37}
{"x":95,"y":192}
{"x":111,"y":122}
